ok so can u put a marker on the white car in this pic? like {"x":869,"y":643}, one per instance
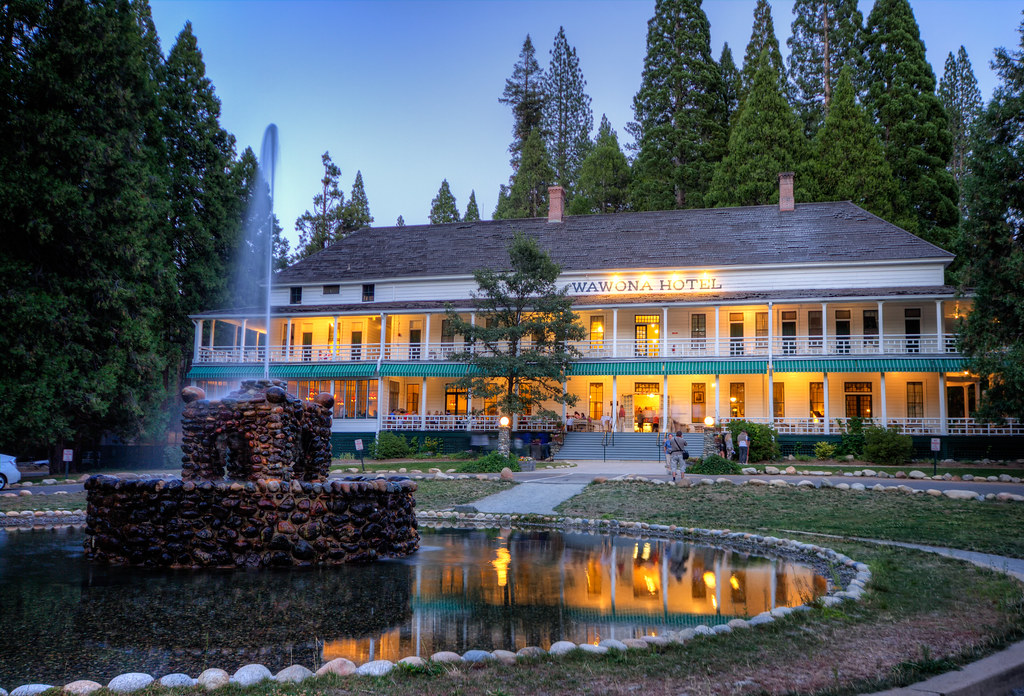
{"x":8,"y":471}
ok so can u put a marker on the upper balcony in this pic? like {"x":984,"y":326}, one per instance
{"x":676,"y":348}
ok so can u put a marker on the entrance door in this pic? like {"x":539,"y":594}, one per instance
{"x":415,"y":339}
{"x":596,"y":401}
{"x":357,"y":345}
{"x":307,"y":346}
{"x":640,"y":338}
{"x":698,"y":402}
{"x":788,"y":333}
{"x":736,"y":333}
{"x":912,"y":328}
{"x":842,"y":331}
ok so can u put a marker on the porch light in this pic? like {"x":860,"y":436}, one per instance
{"x":503,"y":422}
{"x":504,"y":436}
{"x":709,"y":421}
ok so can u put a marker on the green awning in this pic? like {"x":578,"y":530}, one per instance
{"x":716,"y":367}
{"x":305,"y":371}
{"x":423,"y":369}
{"x":872,"y":365}
{"x":632,"y":369}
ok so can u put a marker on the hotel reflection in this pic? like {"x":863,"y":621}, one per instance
{"x":532,"y":588}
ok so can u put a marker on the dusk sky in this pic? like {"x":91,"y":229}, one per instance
{"x":407,"y":92}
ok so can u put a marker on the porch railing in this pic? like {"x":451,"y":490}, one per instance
{"x":909,"y":426}
{"x":413,"y":421}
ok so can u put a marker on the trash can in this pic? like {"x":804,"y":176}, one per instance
{"x":537,"y":450}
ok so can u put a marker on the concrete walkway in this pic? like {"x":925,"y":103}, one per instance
{"x":536,"y":498}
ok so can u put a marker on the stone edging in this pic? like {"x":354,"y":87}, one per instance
{"x":857,"y":575}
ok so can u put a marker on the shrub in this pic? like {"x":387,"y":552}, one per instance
{"x":885,"y":446}
{"x":803,"y":458}
{"x":852,"y":439}
{"x":434,"y":445}
{"x":491,"y":463}
{"x":388,"y":445}
{"x":713,"y":465}
{"x":763,"y":440}
{"x":824,"y":450}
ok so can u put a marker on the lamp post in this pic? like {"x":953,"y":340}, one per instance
{"x":504,"y":435}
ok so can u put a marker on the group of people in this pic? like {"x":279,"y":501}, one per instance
{"x":676,"y":453}
{"x":725,"y":447}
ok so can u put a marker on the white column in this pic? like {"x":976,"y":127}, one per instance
{"x":664,"y":404}
{"x":337,"y":330}
{"x":426,"y":338}
{"x":380,"y":402}
{"x":824,"y":386}
{"x":213,"y":332}
{"x":941,"y":347}
{"x":885,"y":417}
{"x":242,"y":341}
{"x":771,"y":376}
{"x":198,"y":342}
{"x":824,"y":328}
{"x":615,"y":399}
{"x":288,"y":340}
{"x":383,"y":334}
{"x":664,"y":331}
{"x":943,"y":425}
{"x":423,"y":404}
{"x":615,"y":333}
{"x":881,"y":329}
{"x":717,"y":349}
{"x":718,"y":400}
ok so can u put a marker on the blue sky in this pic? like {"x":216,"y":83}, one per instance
{"x":407,"y":92}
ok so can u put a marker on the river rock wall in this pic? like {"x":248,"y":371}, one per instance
{"x":251,"y":524}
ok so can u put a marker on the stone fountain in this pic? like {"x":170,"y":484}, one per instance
{"x":253,"y":493}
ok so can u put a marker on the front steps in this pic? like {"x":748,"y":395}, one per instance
{"x":627,"y":447}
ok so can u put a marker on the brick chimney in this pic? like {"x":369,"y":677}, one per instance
{"x":786,"y":192}
{"x":556,"y":203}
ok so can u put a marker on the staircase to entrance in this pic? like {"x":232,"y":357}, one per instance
{"x":627,"y":446}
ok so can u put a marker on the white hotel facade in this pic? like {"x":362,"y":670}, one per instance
{"x":801,"y":316}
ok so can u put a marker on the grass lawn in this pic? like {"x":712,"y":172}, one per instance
{"x":71,"y":501}
{"x":441,"y":495}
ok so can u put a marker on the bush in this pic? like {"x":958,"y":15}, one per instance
{"x":388,"y":445}
{"x":491,"y":463}
{"x":713,"y":465}
{"x":803,"y":458}
{"x":852,"y":439}
{"x":763,"y":440}
{"x":884,"y":446}
{"x":824,"y":450}
{"x":433,"y":445}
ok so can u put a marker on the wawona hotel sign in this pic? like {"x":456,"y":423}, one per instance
{"x":616,"y":285}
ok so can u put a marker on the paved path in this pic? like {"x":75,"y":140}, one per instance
{"x":536,"y":498}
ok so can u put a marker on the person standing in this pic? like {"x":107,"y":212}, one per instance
{"x":622,"y":418}
{"x":728,"y":445}
{"x":744,"y":443}
{"x":675,"y":448}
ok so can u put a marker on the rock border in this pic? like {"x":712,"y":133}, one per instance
{"x":854,"y":576}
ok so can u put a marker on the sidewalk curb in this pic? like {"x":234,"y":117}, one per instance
{"x":995,"y":675}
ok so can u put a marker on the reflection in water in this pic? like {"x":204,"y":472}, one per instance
{"x":465,"y":589}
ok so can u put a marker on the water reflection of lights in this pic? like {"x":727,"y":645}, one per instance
{"x":710,"y":580}
{"x":500,"y":565}
{"x":734,"y":582}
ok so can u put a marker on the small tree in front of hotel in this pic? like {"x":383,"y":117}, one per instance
{"x":518,"y":350}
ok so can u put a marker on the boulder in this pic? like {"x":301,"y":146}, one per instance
{"x":413,"y":662}
{"x":506,"y":474}
{"x":562,"y":647}
{"x":251,"y":674}
{"x":338,"y":666}
{"x":81,"y":687}
{"x":127,"y":683}
{"x":176,"y":680}
{"x":915,"y":474}
{"x":213,"y":679}
{"x":377,"y":668}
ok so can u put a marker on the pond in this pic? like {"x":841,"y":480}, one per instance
{"x":65,"y":619}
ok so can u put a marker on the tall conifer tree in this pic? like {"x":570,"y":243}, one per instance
{"x":400,"y":222}
{"x":604,"y":176}
{"x":443,"y":208}
{"x":680,"y":126}
{"x":762,"y":37}
{"x":961,"y":98}
{"x":826,"y":37}
{"x":994,"y":243}
{"x":356,"y":213}
{"x":730,"y":82}
{"x":527,"y":197}
{"x":848,"y":162}
{"x":524,"y":92}
{"x":472,"y":210}
{"x":567,"y":117}
{"x":915,"y":131}
{"x":322,"y":225}
{"x":765,"y":140}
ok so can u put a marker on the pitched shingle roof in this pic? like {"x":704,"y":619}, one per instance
{"x":812,"y":233}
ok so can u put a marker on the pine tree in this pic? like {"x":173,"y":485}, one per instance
{"x":849,"y":161}
{"x":567,"y":117}
{"x":443,"y":208}
{"x":400,"y":222}
{"x":472,"y":211}
{"x":356,"y":213}
{"x":961,"y":99}
{"x":762,"y":37}
{"x":604,"y":176}
{"x":765,"y":140}
{"x":991,"y":337}
{"x":527,"y":197}
{"x":524,"y":92}
{"x":915,"y":130}
{"x":205,"y":207}
{"x":680,"y":126}
{"x":826,"y":37}
{"x":322,"y":225}
{"x":730,"y":82}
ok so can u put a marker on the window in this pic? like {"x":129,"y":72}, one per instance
{"x":698,"y":332}
{"x":737,"y":400}
{"x":368,"y":292}
{"x":761,"y":330}
{"x":456,"y":401}
{"x":296,"y":296}
{"x":915,"y":399}
{"x":814,"y":328}
{"x":332,"y":289}
{"x":596,"y":333}
{"x":858,"y":399}
{"x":447,"y":332}
{"x":779,"y":400}
{"x":355,"y":398}
{"x":817,"y":399}
{"x":596,"y":400}
{"x":697,"y":402}
{"x":735,"y":333}
{"x":412,"y":398}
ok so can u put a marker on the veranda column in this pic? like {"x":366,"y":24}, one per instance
{"x":943,"y":425}
{"x":824,"y":328}
{"x":472,"y":322}
{"x":213,"y":332}
{"x":380,"y":401}
{"x":664,"y":404}
{"x":939,"y":334}
{"x":423,"y":403}
{"x":824,"y":390}
{"x":565,"y":390}
{"x":381,"y":342}
{"x":885,"y":418}
{"x":718,"y":388}
{"x":717,"y":350}
{"x":881,"y":329}
{"x":615,"y":399}
{"x":288,"y":340}
{"x":615,"y":333}
{"x":771,"y":376}
{"x":198,"y":341}
{"x":242,"y":341}
{"x":664,"y":331}
{"x":426,"y":338}
{"x":336,"y":332}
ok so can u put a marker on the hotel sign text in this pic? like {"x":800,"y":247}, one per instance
{"x":641,"y":285}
